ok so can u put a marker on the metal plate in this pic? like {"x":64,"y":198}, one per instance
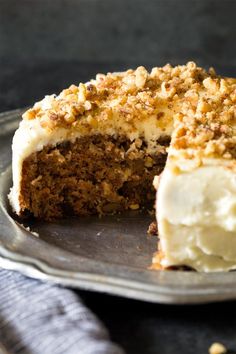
{"x":110,"y":254}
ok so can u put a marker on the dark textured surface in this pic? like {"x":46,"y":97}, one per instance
{"x":46,"y":45}
{"x":143,"y":328}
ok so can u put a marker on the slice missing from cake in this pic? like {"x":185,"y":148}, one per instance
{"x":96,"y":148}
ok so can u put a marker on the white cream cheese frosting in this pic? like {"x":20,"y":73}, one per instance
{"x":196,"y":213}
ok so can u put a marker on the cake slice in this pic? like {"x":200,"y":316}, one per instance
{"x":96,"y":148}
{"x":196,"y":194}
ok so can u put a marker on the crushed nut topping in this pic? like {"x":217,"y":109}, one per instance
{"x":200,"y":105}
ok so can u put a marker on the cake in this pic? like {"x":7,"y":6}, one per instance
{"x":96,"y":148}
{"x":196,"y":193}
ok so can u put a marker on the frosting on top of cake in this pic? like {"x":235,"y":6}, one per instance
{"x":132,"y":96}
{"x":201,"y":105}
{"x":195,"y":107}
{"x":205,"y":125}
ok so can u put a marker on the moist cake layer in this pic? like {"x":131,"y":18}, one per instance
{"x":93,"y":175}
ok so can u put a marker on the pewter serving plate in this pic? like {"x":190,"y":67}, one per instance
{"x":110,"y":254}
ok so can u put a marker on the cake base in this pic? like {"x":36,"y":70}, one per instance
{"x":92,"y":175}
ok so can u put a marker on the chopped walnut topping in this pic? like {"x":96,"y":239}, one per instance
{"x":199,"y":105}
{"x":141,"y":75}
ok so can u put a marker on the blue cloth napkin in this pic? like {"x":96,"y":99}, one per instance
{"x":41,"y":318}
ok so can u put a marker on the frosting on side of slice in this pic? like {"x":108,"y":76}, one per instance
{"x":196,"y":213}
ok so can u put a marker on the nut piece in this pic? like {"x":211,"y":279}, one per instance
{"x":82,"y":93}
{"x":148,"y":162}
{"x":30,"y":114}
{"x":134,"y":206}
{"x":156,"y":182}
{"x":152,"y":229}
{"x":211,"y":84}
{"x":141,"y":75}
{"x":203,"y":106}
{"x":217,"y":348}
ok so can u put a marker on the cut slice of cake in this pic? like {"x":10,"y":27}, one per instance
{"x":95,"y":149}
{"x":196,"y":194}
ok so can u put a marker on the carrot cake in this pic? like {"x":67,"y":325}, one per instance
{"x":96,"y":148}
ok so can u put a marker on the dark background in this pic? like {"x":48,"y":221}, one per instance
{"x":46,"y":45}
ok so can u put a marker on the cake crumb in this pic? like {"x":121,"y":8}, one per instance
{"x":152,"y":229}
{"x":27,"y":228}
{"x":217,"y":348}
{"x":134,"y":206}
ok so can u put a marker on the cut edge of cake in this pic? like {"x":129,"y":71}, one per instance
{"x":196,"y":194}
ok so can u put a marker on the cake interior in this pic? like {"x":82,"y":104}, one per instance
{"x":93,"y":175}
